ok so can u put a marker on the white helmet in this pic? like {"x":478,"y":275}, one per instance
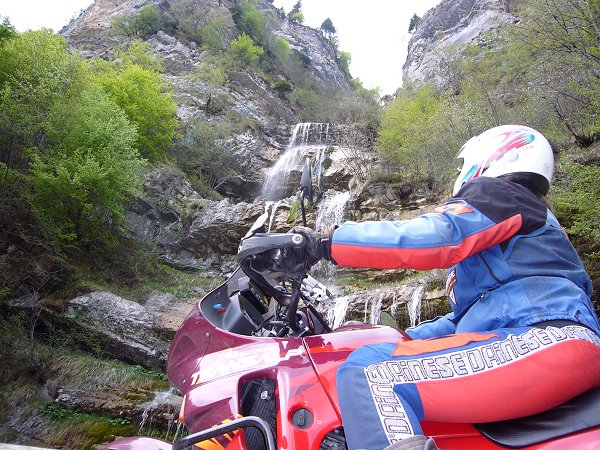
{"x":503,"y":150}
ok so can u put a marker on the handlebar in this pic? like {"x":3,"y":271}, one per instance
{"x":275,"y":262}
{"x":272,"y":260}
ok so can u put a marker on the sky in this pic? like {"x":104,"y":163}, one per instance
{"x":375,"y":32}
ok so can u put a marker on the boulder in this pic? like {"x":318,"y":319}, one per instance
{"x":120,"y":328}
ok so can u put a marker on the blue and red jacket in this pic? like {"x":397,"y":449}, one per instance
{"x":510,"y":264}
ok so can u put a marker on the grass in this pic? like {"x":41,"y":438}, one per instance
{"x":138,"y":281}
{"x":86,"y":372}
{"x":363,"y":279}
{"x":32,"y":369}
{"x":73,"y":429}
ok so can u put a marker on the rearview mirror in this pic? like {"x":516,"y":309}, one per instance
{"x":306,"y":182}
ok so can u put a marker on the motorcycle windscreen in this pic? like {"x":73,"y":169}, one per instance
{"x":190,"y":344}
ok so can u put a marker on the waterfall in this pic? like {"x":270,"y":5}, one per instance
{"x":376,"y":310}
{"x":272,"y":206}
{"x":414,"y":306}
{"x":318,"y":165}
{"x":330,"y":211}
{"x":308,"y":140}
{"x":337,"y":314}
{"x":158,"y":405}
{"x":179,"y":431}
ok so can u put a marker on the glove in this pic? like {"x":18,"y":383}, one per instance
{"x":318,"y":244}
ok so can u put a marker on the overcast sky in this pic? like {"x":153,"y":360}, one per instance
{"x":375,"y":32}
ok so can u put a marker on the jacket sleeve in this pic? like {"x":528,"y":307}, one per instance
{"x":441,"y":239}
{"x":440,"y":326}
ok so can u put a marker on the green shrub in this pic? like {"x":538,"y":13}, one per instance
{"x":344,"y":59}
{"x":148,"y":21}
{"x":302,"y":58}
{"x":250,"y":20}
{"x":80,"y":186}
{"x":201,"y":153}
{"x":243,"y":51}
{"x":296,"y":16}
{"x":214,"y":33}
{"x":37,"y":74}
{"x":310,"y":104}
{"x":147,"y":103}
{"x":577,"y":205}
{"x":281,"y":48}
{"x":283,"y":86}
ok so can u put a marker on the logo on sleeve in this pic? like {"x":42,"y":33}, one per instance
{"x":450,"y":282}
{"x":453,"y":208}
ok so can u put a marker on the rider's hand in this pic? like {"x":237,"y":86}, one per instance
{"x":318,"y":244}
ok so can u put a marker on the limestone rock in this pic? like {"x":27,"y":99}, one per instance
{"x":121,"y":328}
{"x":446,"y":30}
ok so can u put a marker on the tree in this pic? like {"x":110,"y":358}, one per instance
{"x":562,"y":39}
{"x":80,"y":186}
{"x":148,"y":21}
{"x":295,"y":15}
{"x":143,"y":96}
{"x":203,"y":156}
{"x":250,"y":21}
{"x":328,"y":28}
{"x":345,"y":58}
{"x":6,"y":29}
{"x":414,"y":20}
{"x":36,"y":74}
{"x":407,"y":137}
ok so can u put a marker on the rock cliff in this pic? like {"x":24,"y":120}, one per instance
{"x":268,"y":117}
{"x":444,"y":31}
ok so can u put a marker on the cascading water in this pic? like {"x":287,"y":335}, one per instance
{"x":374,"y":311}
{"x":337,"y":315}
{"x":414,"y":306}
{"x":160,"y":404}
{"x":308,"y":140}
{"x":271,"y":208}
{"x":330,"y":213}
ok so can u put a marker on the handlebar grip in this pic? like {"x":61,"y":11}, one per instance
{"x":262,"y":242}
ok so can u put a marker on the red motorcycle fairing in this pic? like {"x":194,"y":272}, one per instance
{"x":328,"y":351}
{"x":214,"y":384}
{"x":210,"y":367}
{"x":303,"y":370}
{"x":466,"y":437}
{"x":458,"y":437}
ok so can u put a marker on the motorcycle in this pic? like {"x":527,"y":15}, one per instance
{"x":256,"y":364}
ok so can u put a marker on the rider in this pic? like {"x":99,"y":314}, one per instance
{"x":522,"y":336}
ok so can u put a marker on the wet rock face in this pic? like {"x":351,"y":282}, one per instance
{"x":446,"y":30}
{"x":408,"y":303}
